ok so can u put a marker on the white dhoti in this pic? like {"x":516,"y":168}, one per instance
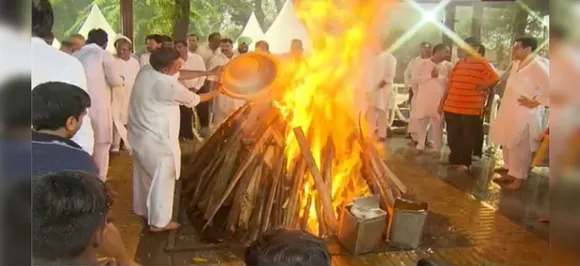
{"x":102,"y":126}
{"x":434,"y":125}
{"x":153,"y":194}
{"x":119,"y":108}
{"x":378,"y":121}
{"x":518,"y":157}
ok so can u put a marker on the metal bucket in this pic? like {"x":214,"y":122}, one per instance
{"x":249,"y":75}
{"x":406,"y":228}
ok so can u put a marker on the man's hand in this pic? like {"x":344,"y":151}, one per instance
{"x":113,"y":245}
{"x":440,"y":109}
{"x":216,"y":70}
{"x":434,"y":73}
{"x":527,"y":102}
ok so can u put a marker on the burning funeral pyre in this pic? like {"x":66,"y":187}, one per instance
{"x":299,"y":157}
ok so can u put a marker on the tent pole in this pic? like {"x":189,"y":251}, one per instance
{"x":127,"y":18}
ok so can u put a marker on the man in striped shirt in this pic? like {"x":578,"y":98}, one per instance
{"x":463,"y":104}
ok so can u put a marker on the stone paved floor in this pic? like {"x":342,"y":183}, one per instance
{"x":499,"y":226}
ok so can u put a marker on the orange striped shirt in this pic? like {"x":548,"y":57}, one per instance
{"x":462,"y":96}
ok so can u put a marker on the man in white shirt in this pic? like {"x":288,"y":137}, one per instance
{"x":154,"y":136}
{"x":194,"y":62}
{"x":383,"y":72}
{"x":192,"y":42}
{"x":154,"y":42}
{"x":424,"y":53}
{"x":208,"y":52}
{"x":518,"y":127}
{"x":102,"y":77}
{"x":128,"y":68}
{"x":430,"y":78}
{"x":223,"y":105}
{"x":50,"y":64}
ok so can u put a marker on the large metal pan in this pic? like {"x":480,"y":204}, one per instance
{"x":249,"y":76}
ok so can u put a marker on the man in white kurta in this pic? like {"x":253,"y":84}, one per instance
{"x":424,"y":53}
{"x":383,"y":71}
{"x":518,"y":127}
{"x":194,"y":62}
{"x":50,"y":64}
{"x":154,"y":136}
{"x":223,"y":105}
{"x":128,"y":68}
{"x":102,"y":77}
{"x":430,"y":77}
{"x":154,"y":42}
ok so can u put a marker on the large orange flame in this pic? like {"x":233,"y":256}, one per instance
{"x":321,"y":88}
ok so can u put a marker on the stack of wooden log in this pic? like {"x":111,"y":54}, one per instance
{"x":241,"y":172}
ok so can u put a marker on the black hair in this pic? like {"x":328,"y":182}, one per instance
{"x":530,"y":42}
{"x":165,"y":38}
{"x":155,"y":37}
{"x":98,"y":37}
{"x":286,"y":247}
{"x":42,"y":18}
{"x":182,"y":42}
{"x":16,"y":221}
{"x":55,"y":102}
{"x":481,"y":49}
{"x":15,"y":103}
{"x":163,"y":57}
{"x":227,"y":40}
{"x":193,"y":35}
{"x":439,"y":47}
{"x":213,"y":35}
{"x":67,"y":209}
{"x":471,"y":40}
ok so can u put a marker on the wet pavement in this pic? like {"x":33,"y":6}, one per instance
{"x":473,"y":220}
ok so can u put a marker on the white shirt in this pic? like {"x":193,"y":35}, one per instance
{"x":144,"y":59}
{"x":50,"y":64}
{"x":409,"y":70}
{"x":153,"y":128}
{"x":14,"y":48}
{"x":128,"y":69}
{"x":207,"y":54}
{"x":193,"y":62}
{"x":219,"y":60}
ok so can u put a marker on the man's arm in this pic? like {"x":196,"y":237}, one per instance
{"x":408,"y":70}
{"x":490,"y":78}
{"x":193,"y":74}
{"x":199,"y":65}
{"x":112,"y":73}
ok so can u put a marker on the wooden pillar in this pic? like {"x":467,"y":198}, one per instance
{"x":476,"y":21}
{"x":127,"y":18}
{"x":449,"y":22}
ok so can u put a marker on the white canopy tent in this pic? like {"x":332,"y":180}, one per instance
{"x":286,"y":27}
{"x":96,"y":20}
{"x":252,"y":30}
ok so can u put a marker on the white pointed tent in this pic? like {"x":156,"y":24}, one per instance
{"x":286,"y":27}
{"x":95,"y":20}
{"x":252,"y":30}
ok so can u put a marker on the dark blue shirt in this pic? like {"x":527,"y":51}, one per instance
{"x":51,"y":153}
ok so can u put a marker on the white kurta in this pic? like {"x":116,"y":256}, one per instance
{"x":102,"y":76}
{"x":50,"y":64}
{"x":384,"y":69}
{"x":564,"y":82}
{"x":208,"y":55}
{"x":512,"y":120}
{"x":223,"y":105}
{"x":154,"y":136}
{"x":128,"y":70}
{"x":144,"y":59}
{"x":194,"y":62}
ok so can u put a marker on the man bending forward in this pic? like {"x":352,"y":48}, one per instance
{"x":154,"y":135}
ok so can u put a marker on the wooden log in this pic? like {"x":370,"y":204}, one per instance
{"x":280,"y":197}
{"x":322,"y":228}
{"x":223,"y":177}
{"x":318,"y":180}
{"x":241,"y":189}
{"x":260,"y":204}
{"x":377,"y":157}
{"x":250,"y":197}
{"x":306,"y":213}
{"x":276,"y":176}
{"x":293,"y":198}
{"x":239,"y":174}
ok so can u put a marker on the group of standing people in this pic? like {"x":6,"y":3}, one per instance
{"x":457,"y":97}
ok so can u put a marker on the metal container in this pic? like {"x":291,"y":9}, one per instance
{"x":249,"y":75}
{"x":408,"y":221}
{"x":362,"y":235}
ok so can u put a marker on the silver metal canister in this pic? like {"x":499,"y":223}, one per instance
{"x":407,"y":223}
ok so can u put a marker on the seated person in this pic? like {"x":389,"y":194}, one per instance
{"x":70,"y":221}
{"x":287,"y":247}
{"x":58,"y":113}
